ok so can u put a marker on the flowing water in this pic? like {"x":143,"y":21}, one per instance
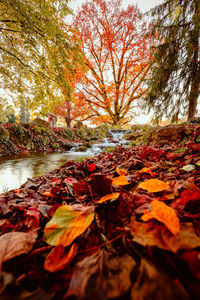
{"x":15,"y":170}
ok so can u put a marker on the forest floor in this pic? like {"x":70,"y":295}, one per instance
{"x":121,"y":225}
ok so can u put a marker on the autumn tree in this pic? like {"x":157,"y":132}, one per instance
{"x":37,"y":47}
{"x":175,"y":72}
{"x":117,"y":56}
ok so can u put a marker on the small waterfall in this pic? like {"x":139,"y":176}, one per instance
{"x":115,"y":139}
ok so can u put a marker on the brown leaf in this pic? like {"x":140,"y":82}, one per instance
{"x":16,"y":243}
{"x":151,"y":283}
{"x":102,"y":275}
{"x":148,"y":234}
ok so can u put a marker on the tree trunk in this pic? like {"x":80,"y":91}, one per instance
{"x":194,"y":92}
{"x":68,"y":115}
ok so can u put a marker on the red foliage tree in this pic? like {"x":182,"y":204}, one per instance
{"x":117,"y":56}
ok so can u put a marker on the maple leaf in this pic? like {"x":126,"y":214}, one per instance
{"x":153,"y":185}
{"x":67,"y":224}
{"x":164,"y":214}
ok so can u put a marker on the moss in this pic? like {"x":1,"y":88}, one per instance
{"x":109,"y":149}
{"x":55,"y":146}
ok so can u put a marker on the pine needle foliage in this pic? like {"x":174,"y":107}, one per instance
{"x":174,"y":84}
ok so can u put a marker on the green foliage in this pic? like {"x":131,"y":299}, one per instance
{"x":174,"y":85}
{"x":37,"y":49}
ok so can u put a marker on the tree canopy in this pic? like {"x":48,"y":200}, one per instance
{"x":36,"y":49}
{"x":117,"y":56}
{"x":175,"y":73}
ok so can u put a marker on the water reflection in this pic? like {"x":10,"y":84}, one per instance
{"x":16,"y":170}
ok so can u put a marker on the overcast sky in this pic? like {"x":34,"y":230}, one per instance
{"x":143,"y":5}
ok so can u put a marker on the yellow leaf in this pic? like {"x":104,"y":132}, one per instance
{"x":154,"y":185}
{"x":67,"y":224}
{"x":164,"y":214}
{"x":121,"y":171}
{"x":112,"y":196}
{"x":121,"y":180}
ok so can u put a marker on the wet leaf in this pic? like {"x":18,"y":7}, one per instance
{"x":67,"y":224}
{"x":164,"y":214}
{"x":153,"y":185}
{"x":58,"y":259}
{"x":121,"y":180}
{"x":16,"y":243}
{"x":112,"y":196}
{"x":105,"y":275}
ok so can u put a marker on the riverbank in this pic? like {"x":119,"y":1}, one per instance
{"x":133,"y":240}
{"x":23,"y":138}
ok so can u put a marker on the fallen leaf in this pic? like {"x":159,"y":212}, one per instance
{"x":121,"y":180}
{"x":153,"y":185}
{"x":91,"y":167}
{"x":148,"y":171}
{"x":88,"y":278}
{"x":121,"y":171}
{"x":112,"y":196}
{"x":48,"y":194}
{"x":147,"y":234}
{"x":152,"y":283}
{"x":70,"y":181}
{"x":188,"y":168}
{"x":67,"y":224}
{"x":164,"y":214}
{"x":197,"y":163}
{"x":57,"y":259}
{"x":13,"y":244}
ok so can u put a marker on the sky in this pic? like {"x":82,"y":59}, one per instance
{"x":143,"y":5}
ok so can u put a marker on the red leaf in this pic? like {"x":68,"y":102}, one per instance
{"x":91,"y":167}
{"x":70,"y":181}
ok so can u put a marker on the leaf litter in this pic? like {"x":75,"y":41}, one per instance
{"x":106,"y":229}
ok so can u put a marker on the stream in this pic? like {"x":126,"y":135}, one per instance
{"x":15,"y":170}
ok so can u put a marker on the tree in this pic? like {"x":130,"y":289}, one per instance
{"x":36,"y":50}
{"x":175,"y":72}
{"x":117,"y":56}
